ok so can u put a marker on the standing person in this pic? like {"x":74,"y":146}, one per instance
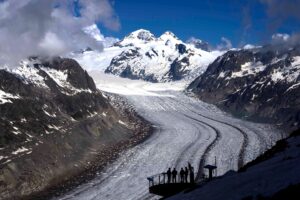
{"x":174,"y":175}
{"x":169,"y":175}
{"x":186,"y":173}
{"x":181,"y":175}
{"x":192,"y":177}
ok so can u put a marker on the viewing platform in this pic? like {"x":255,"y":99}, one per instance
{"x":159,"y":185}
{"x":170,"y":183}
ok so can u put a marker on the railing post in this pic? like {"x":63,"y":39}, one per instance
{"x":159,"y":179}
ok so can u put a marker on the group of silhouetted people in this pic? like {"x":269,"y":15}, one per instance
{"x":183,"y":174}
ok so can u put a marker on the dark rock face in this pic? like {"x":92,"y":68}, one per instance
{"x":127,"y":72}
{"x":261,"y":84}
{"x":76,"y":75}
{"x":52,"y":120}
{"x":177,"y":71}
{"x":181,"y":48}
{"x":121,"y":59}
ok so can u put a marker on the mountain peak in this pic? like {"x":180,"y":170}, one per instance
{"x":141,"y":34}
{"x":168,"y":35}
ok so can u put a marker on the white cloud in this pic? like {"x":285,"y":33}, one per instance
{"x":95,"y":33}
{"x":286,"y":40}
{"x":48,"y":27}
{"x":249,"y":46}
{"x":51,"y":45}
{"x":280,"y":37}
{"x":225,"y":44}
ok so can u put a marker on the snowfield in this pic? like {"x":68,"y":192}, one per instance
{"x":91,"y":60}
{"x":187,"y":130}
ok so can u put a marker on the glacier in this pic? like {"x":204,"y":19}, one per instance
{"x":186,"y":130}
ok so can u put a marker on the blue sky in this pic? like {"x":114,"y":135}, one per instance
{"x":240,"y":21}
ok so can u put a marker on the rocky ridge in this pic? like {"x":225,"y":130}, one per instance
{"x":262,"y":84}
{"x":55,"y":124}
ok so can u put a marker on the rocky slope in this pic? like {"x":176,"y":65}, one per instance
{"x":161,"y":59}
{"x":261,"y":83}
{"x":54,"y":124}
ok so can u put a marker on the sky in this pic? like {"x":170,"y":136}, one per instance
{"x":56,"y":27}
{"x":242,"y":22}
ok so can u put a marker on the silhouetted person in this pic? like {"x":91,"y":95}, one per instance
{"x":174,"y":175}
{"x":181,"y":175}
{"x":169,"y":175}
{"x":186,"y":173}
{"x":192,"y":177}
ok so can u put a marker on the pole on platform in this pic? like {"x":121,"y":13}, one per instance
{"x":216,"y":165}
{"x":159,"y":179}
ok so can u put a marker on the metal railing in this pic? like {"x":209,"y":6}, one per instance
{"x":162,"y":178}
{"x":158,"y":179}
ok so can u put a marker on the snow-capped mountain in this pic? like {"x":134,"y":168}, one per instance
{"x":260,"y":83}
{"x":52,"y":120}
{"x":166,"y":58}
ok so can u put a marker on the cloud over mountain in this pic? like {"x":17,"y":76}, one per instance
{"x":50,"y":27}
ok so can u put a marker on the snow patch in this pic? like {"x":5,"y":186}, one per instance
{"x":3,"y":157}
{"x":221,"y":75}
{"x":123,"y":123}
{"x":54,"y":127}
{"x":23,"y":120}
{"x":16,"y":132}
{"x":92,"y":114}
{"x":277,"y":76}
{"x":249,"y":68}
{"x":50,"y":115}
{"x":20,"y":150}
{"x":294,"y":86}
{"x":6,"y":97}
{"x":29,"y":74}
